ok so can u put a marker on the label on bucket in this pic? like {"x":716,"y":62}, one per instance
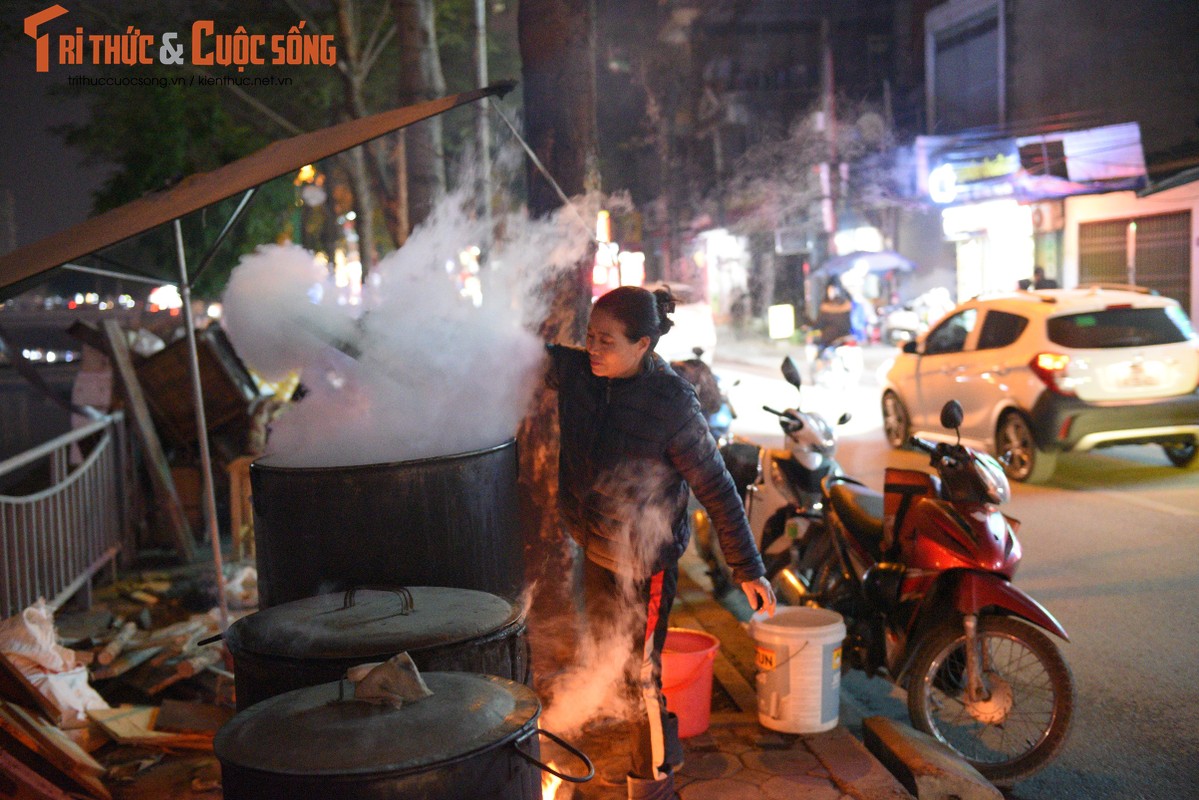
{"x":831,"y":695}
{"x":799,"y":684}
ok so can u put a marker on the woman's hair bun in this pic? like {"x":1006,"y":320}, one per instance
{"x":665,"y":302}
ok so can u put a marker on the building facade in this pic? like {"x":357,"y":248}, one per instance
{"x":1036,"y":109}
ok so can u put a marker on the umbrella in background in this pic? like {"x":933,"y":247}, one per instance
{"x":882,"y":261}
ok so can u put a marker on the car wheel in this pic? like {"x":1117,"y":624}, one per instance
{"x":1022,"y":459}
{"x":896,"y":423}
{"x":1182,"y":454}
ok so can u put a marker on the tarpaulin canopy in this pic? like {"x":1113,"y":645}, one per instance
{"x":22,"y":268}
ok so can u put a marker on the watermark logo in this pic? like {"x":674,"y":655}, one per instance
{"x":208,"y":46}
{"x":42,"y":43}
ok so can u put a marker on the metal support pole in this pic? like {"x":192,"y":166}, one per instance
{"x":201,"y":427}
{"x":482,"y":123}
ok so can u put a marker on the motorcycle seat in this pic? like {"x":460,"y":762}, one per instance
{"x":861,"y":509}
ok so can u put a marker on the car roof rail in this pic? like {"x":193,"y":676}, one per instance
{"x":1022,"y":293}
{"x":1118,"y":287}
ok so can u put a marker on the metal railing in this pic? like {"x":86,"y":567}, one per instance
{"x":55,"y":539}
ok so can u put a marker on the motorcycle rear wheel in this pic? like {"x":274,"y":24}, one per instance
{"x":1025,"y":723}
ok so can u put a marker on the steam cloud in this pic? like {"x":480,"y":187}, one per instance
{"x":592,"y":688}
{"x":416,"y":370}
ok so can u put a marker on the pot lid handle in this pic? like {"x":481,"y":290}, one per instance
{"x":565,"y":745}
{"x":407,"y":604}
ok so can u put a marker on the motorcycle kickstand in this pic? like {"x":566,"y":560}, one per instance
{"x":976,"y":687}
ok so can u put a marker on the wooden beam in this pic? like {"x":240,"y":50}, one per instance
{"x":28,"y":785}
{"x":160,"y":470}
{"x":16,"y":687}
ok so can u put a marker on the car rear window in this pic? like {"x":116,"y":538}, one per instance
{"x":1116,"y":327}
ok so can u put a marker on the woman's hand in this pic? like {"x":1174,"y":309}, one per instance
{"x":760,"y":595}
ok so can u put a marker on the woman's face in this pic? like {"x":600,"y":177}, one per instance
{"x":612,"y":354}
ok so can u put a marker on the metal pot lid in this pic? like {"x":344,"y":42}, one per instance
{"x":371,"y":622}
{"x":310,"y":732}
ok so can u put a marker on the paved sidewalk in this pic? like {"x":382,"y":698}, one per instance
{"x":737,"y":758}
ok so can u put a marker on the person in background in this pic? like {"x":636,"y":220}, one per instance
{"x":634,"y":440}
{"x":1039,"y":281}
{"x":834,"y":317}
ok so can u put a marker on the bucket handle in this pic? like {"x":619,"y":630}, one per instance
{"x":564,"y":744}
{"x":407,"y":604}
{"x":709,"y":656}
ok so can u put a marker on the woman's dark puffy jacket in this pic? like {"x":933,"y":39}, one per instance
{"x":630,"y":448}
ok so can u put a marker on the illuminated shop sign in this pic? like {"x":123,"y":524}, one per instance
{"x":1030,"y":168}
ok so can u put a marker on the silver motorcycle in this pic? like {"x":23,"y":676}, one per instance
{"x":780,"y":487}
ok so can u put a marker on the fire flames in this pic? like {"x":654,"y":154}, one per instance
{"x":550,"y":783}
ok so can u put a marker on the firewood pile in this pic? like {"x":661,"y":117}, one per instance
{"x":123,"y":700}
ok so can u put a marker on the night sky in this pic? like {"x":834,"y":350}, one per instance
{"x":51,"y":187}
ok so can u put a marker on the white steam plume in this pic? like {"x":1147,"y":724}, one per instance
{"x":416,"y":370}
{"x":592,"y":688}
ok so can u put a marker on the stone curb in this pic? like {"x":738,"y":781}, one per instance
{"x":927,"y":768}
{"x":854,"y":768}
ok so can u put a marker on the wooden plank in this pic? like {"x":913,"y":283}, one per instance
{"x":28,"y":785}
{"x":177,"y":716}
{"x":50,"y":740}
{"x":48,"y":761}
{"x":160,"y":471}
{"x":135,"y":725}
{"x":16,"y":687}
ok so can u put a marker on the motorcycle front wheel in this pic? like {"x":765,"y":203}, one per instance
{"x":1023,"y":723}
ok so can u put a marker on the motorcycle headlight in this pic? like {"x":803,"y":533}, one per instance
{"x":993,"y":478}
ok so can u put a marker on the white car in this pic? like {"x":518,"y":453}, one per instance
{"x":1050,"y":371}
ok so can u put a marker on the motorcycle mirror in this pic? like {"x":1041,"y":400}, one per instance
{"x":951,"y":415}
{"x":791,"y":372}
{"x":844,"y":418}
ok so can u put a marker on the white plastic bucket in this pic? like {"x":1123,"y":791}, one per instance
{"x":799,"y":669}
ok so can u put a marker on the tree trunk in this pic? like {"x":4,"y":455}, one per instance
{"x":558,"y":67}
{"x":354,"y":67}
{"x":420,"y":79}
{"x":365,"y":201}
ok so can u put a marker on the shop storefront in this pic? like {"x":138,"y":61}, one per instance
{"x":1002,"y":199}
{"x":1150,"y":238}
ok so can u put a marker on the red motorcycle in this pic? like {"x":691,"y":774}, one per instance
{"x":922,"y":575}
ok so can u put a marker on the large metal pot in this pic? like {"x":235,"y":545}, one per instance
{"x":475,"y":738}
{"x":447,"y":521}
{"x":314,"y":640}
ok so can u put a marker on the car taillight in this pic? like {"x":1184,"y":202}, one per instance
{"x":1051,"y":368}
